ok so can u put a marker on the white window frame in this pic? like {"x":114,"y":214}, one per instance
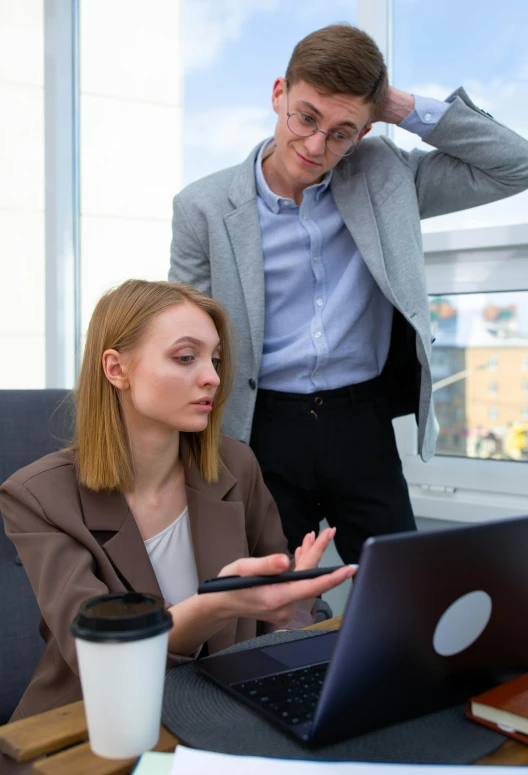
{"x":464,"y":489}
{"x":62,"y":210}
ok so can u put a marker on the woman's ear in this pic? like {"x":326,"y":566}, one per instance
{"x":114,"y":369}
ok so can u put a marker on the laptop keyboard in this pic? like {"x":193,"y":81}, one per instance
{"x":291,"y":697}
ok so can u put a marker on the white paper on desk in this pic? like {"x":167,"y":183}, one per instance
{"x":189,"y":761}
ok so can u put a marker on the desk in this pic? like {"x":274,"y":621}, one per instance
{"x":62,"y":734}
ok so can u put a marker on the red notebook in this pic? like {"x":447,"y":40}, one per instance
{"x":503,"y":708}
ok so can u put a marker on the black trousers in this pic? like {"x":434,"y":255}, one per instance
{"x":332,"y":455}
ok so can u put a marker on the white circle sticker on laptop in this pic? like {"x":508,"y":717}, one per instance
{"x":462,"y":623}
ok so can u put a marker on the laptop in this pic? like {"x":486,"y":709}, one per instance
{"x":432,"y":618}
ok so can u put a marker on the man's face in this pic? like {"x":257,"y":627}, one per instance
{"x":304,"y":160}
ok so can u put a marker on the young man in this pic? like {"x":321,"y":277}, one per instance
{"x":314,"y":246}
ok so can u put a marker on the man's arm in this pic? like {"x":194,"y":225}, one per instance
{"x":398,"y":105}
{"x":478,"y":160}
{"x":189,"y":263}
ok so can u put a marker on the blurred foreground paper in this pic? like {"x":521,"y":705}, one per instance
{"x":189,"y":761}
{"x":154,"y":763}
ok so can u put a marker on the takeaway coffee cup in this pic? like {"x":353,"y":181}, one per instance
{"x":122,"y":643}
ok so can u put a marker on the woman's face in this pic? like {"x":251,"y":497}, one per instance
{"x":172,"y":373}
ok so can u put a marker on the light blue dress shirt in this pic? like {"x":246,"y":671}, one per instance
{"x":327,"y":324}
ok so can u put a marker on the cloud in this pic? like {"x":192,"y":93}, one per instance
{"x":229,"y":130}
{"x":209,"y":25}
{"x":341,"y":11}
{"x":221,"y":137}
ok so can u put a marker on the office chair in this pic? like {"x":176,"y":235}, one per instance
{"x":33,"y":423}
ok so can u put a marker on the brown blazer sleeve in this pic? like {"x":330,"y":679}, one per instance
{"x":60,"y":569}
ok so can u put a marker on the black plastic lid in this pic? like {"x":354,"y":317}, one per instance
{"x":121,"y":618}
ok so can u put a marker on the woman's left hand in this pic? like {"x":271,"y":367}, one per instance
{"x":309,"y":553}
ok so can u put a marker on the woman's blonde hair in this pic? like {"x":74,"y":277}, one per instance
{"x":118,"y":322}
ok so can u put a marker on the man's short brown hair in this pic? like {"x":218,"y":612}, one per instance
{"x":340,"y":59}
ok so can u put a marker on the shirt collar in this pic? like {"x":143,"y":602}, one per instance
{"x":272,"y":200}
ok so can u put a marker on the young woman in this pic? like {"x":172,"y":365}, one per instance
{"x":150,"y":496}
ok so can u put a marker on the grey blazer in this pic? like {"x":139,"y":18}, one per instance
{"x":382,"y":193}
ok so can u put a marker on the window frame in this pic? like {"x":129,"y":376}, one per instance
{"x":475,"y":260}
{"x":62,"y":192}
{"x":457,"y":488}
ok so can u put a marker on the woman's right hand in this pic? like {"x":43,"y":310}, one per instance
{"x":275,"y":603}
{"x":200,"y":616}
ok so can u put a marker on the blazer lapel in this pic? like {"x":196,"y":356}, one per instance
{"x":218,"y":532}
{"x":243,"y":228}
{"x":352,"y":197}
{"x":106,"y":512}
{"x":217,"y":526}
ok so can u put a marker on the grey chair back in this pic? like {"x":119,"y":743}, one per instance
{"x":33,"y":423}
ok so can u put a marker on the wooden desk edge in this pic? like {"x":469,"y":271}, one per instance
{"x":36,"y":735}
{"x":14,"y":739}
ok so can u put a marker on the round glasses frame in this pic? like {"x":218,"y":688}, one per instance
{"x":328,"y":135}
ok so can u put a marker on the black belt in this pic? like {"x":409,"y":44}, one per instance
{"x":362,"y":391}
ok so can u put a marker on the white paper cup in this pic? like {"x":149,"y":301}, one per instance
{"x":121,"y":643}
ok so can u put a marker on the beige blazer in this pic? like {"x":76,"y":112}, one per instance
{"x":75,"y":543}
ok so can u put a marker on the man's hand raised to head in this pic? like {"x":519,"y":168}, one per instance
{"x":397,"y":106}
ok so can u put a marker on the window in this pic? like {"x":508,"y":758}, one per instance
{"x":22,"y":311}
{"x":131,"y":92}
{"x":482,"y":446}
{"x":469,"y":328}
{"x":487,"y":56}
{"x":233,"y":51}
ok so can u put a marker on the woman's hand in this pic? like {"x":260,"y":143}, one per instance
{"x":274,"y":603}
{"x":309,"y":553}
{"x":200,"y":616}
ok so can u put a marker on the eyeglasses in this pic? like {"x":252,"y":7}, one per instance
{"x":337,"y":141}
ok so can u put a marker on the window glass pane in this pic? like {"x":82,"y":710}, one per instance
{"x":481,"y":46}
{"x":479,"y":374}
{"x":233,"y":52}
{"x":130,"y":140}
{"x":22,"y":284}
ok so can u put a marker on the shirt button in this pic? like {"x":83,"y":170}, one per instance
{"x":428,"y":117}
{"x":319,"y":302}
{"x":317,"y":334}
{"x":252,"y":384}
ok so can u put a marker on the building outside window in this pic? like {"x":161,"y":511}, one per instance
{"x":476,"y":418}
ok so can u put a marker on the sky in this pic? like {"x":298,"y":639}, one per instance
{"x":234,"y":49}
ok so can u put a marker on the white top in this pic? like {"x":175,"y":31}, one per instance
{"x":172,"y":556}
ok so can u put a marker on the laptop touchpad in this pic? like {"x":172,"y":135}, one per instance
{"x":303,"y":652}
